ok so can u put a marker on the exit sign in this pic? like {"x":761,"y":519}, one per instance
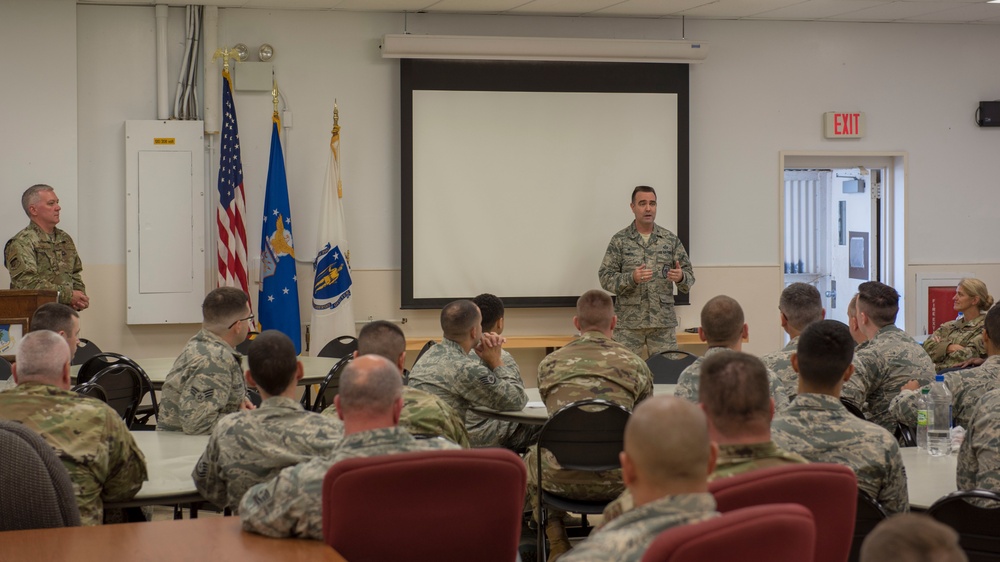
{"x":843,"y":125}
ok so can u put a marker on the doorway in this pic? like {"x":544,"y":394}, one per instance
{"x":842,"y":225}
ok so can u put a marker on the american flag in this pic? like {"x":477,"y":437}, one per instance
{"x":232,"y":202}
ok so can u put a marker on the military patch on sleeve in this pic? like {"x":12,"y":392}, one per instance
{"x":488,"y":380}
{"x":14,"y":263}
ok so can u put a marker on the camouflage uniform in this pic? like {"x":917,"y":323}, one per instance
{"x":91,"y":440}
{"x":645,"y":310}
{"x":966,"y":333}
{"x":820,"y":428}
{"x":290,"y":504}
{"x":463,"y":382}
{"x":780,"y":363}
{"x":688,"y":382}
{"x":205,"y":383}
{"x":426,"y":415}
{"x":966,"y":386}
{"x":626,"y":538}
{"x":732,"y":461}
{"x":882,"y":365}
{"x":38,"y":260}
{"x":252,"y":446}
{"x":979,"y":456}
{"x":489,"y":432}
{"x":591,"y":366}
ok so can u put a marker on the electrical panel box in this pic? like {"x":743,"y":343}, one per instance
{"x":165,"y":221}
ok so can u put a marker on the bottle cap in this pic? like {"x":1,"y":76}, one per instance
{"x":939,"y":377}
{"x":925,"y":390}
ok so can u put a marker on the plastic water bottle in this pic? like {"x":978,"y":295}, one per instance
{"x":923,"y":417}
{"x":939,"y":422}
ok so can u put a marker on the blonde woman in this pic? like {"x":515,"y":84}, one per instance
{"x":959,"y":340}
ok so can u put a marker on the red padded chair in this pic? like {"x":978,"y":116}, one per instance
{"x":830,"y":491}
{"x":781,"y":532}
{"x":434,"y":505}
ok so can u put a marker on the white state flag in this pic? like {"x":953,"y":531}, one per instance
{"x":332,"y":307}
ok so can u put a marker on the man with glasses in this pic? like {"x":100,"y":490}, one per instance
{"x":206,"y":381}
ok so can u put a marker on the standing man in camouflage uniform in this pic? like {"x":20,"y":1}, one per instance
{"x":642,"y":264}
{"x":724,"y":329}
{"x":735,"y":397}
{"x":591,"y":366}
{"x":252,"y":446}
{"x":369,"y":403}
{"x":966,"y":386}
{"x":799,"y":306}
{"x":206,"y":381}
{"x":91,"y":440}
{"x":61,"y":319}
{"x":448,"y":371}
{"x":424,"y":414}
{"x":667,"y":474}
{"x":483,"y":431}
{"x":886,"y":358}
{"x":42,"y":256}
{"x":818,"y":427}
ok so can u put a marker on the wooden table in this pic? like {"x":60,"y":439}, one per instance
{"x":536,"y":414}
{"x":928,"y":478}
{"x":215,"y":539}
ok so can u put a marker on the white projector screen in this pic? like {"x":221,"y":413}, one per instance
{"x":517,"y":193}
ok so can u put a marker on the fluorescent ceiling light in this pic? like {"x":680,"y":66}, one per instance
{"x":540,"y":48}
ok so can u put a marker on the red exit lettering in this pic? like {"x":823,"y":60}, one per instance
{"x":845,"y":124}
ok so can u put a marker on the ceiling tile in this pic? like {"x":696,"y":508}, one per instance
{"x":564,"y":7}
{"x":895,"y":11}
{"x":817,"y":9}
{"x":732,"y":9}
{"x":970,"y":12}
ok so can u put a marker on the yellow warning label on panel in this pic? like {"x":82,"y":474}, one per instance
{"x":164,"y":141}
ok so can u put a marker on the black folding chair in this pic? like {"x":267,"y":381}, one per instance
{"x":870,"y":513}
{"x":978,"y":524}
{"x":585,"y":435}
{"x":143,"y":414}
{"x":330,"y":386}
{"x":92,"y":390}
{"x":5,"y":370}
{"x":906,"y":435}
{"x":668,"y":365}
{"x":852,"y":408}
{"x":84,"y":351}
{"x":423,"y":350}
{"x":244,"y":347}
{"x":339,"y":348}
{"x":123,"y":386}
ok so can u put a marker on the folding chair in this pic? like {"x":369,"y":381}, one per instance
{"x":870,"y":513}
{"x":339,"y":348}
{"x":978,"y":524}
{"x":667,"y":366}
{"x":35,"y":489}
{"x":330,"y":386}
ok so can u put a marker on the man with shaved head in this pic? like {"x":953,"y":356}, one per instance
{"x":665,"y":466}
{"x":464,"y":381}
{"x":724,"y":329}
{"x":369,"y":403}
{"x":91,"y":440}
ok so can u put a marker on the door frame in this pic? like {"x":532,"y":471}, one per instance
{"x":893,"y":202}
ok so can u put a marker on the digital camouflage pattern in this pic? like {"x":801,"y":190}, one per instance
{"x":205,"y":383}
{"x":780,"y":363}
{"x":979,"y":456}
{"x":91,"y":440}
{"x":882,"y":365}
{"x":732,"y":460}
{"x":649,"y":306}
{"x":426,"y":415}
{"x":290,"y":505}
{"x":967,"y":387}
{"x":252,"y":446}
{"x":37,"y":260}
{"x":966,"y":333}
{"x":626,"y":538}
{"x":820,"y":428}
{"x":591,"y":366}
{"x":688,"y":382}
{"x":488,"y":432}
{"x":446,"y":371}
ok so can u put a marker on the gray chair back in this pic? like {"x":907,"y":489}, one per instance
{"x":35,"y":489}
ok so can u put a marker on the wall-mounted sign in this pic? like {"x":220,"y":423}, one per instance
{"x":843,"y":125}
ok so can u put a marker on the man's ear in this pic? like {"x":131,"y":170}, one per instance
{"x":247,"y":377}
{"x":701,"y":334}
{"x":795,"y":361}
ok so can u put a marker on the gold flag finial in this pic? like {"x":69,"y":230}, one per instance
{"x":336,"y":117}
{"x":274,"y":93}
{"x":226,"y":54}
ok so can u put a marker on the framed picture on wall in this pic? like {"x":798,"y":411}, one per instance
{"x":11,"y":332}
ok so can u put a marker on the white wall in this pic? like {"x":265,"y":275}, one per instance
{"x":763,"y":89}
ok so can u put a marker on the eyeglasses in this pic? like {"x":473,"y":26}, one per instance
{"x":250,"y":318}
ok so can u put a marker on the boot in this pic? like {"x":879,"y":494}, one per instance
{"x":558,"y":541}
